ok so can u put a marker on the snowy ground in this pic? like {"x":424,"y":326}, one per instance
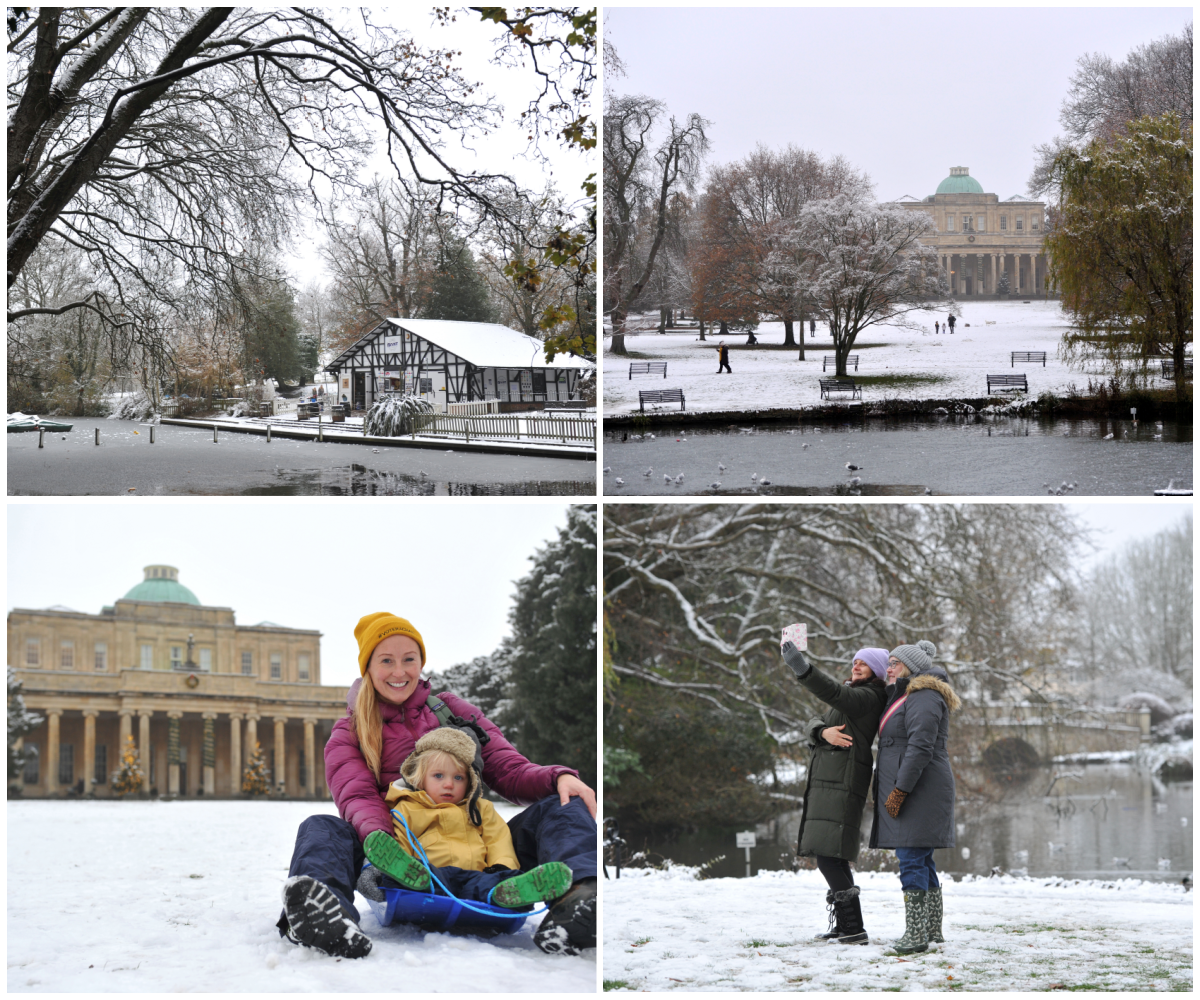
{"x":663,"y":930}
{"x":931,"y":366}
{"x":183,"y":897}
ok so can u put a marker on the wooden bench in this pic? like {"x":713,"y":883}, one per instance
{"x":660,"y":396}
{"x":1168,"y":367}
{"x":1029,"y":356}
{"x":647,"y":368}
{"x":828,"y":359}
{"x":1007,"y":382}
{"x":829,"y":385}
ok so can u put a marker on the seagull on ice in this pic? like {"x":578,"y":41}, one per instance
{"x":805,"y":445}
{"x":608,"y":468}
{"x":424,"y":474}
{"x":856,"y":481}
{"x":928,"y":491}
{"x":714,"y":486}
{"x":852,"y":467}
{"x":649,"y":471}
{"x":667,"y":479}
{"x":679,"y":479}
{"x":720,"y":466}
{"x":620,"y":481}
{"x":1108,"y":436}
{"x":754,"y":477}
{"x":764,"y":482}
{"x":374,"y":451}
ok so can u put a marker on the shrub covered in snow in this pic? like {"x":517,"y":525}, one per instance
{"x":134,"y":406}
{"x":395,"y":415}
{"x":1160,"y":711}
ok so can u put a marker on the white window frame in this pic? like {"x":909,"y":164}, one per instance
{"x":1004,"y":223}
{"x":247,"y":663}
{"x":206,"y":659}
{"x":33,"y":652}
{"x":66,"y":654}
{"x":176,"y":657}
{"x":100,"y":656}
{"x":303,"y":666}
{"x":1020,"y":224}
{"x":147,"y":656}
{"x":276,"y":666}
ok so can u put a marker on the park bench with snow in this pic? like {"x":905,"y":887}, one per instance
{"x":829,"y":385}
{"x":1168,"y":367}
{"x":660,"y":396}
{"x":1007,"y":382}
{"x":1029,"y":356}
{"x":647,"y":368}
{"x":828,"y":359}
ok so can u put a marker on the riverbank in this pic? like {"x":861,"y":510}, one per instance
{"x":665,"y":930}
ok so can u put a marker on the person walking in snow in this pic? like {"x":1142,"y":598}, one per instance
{"x":389,"y":709}
{"x":812,"y":327}
{"x":950,"y":322}
{"x":935,"y":327}
{"x":914,"y":786}
{"x":839,"y":777}
{"x":723,"y":358}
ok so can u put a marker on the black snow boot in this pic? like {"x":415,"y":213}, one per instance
{"x":312,"y":916}
{"x":834,"y":930}
{"x":570,"y":926}
{"x":849,"y":917}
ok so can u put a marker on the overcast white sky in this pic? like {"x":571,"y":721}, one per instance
{"x":447,"y":567}
{"x":903,"y":93}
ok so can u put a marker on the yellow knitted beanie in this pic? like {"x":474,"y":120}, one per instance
{"x":371,"y":630}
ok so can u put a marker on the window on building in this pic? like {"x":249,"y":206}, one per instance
{"x":176,"y":657}
{"x":101,"y":769}
{"x":66,"y":764}
{"x":1034,"y":223}
{"x":949,"y":223}
{"x":30,"y":775}
{"x":302,"y":662}
{"x":1020,"y":223}
{"x":206,"y":659}
{"x":276,"y":666}
{"x":100,"y":661}
{"x":981,"y":223}
{"x":33,"y":652}
{"x":147,"y":656}
{"x":247,"y":662}
{"x":66,"y":655}
{"x":1003,"y":223}
{"x":966,"y":219}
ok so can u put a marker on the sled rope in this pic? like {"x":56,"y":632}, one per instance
{"x":423,"y":858}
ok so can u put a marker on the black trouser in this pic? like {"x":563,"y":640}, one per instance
{"x":837,"y":872}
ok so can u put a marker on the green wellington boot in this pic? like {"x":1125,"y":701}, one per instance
{"x":915,"y":936}
{"x":933,"y":916}
{"x":386,"y":854}
{"x":548,"y":881}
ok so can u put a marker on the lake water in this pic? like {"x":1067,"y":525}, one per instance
{"x":183,"y":461}
{"x":991,"y":456}
{"x":1094,"y":821}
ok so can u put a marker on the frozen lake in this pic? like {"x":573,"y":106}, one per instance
{"x":183,"y":461}
{"x":991,"y":456}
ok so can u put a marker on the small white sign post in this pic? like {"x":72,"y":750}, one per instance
{"x":746,"y":839}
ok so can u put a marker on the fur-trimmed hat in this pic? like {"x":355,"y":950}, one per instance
{"x":458,"y":745}
{"x":918,"y":658}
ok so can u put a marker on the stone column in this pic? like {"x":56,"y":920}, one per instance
{"x":209,"y":753}
{"x":235,"y":753}
{"x":310,"y":760}
{"x":1016,"y":275}
{"x":1033,"y":274}
{"x":173,"y":752}
{"x":251,"y":733}
{"x":995,"y":273}
{"x":279,"y":778}
{"x":126,"y":716}
{"x":144,"y":746}
{"x":89,"y":750}
{"x":52,"y":749}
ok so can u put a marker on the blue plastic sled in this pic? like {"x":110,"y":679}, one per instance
{"x":444,"y":913}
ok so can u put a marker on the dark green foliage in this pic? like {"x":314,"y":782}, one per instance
{"x":693,"y":761}
{"x":271,"y":333}
{"x":456,"y":290}
{"x":553,"y":669}
{"x":483,"y":682}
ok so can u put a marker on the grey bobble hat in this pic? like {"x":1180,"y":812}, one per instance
{"x":918,"y":658}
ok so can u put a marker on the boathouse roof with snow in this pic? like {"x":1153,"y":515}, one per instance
{"x":447,"y":361}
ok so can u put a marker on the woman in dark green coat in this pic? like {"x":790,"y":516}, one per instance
{"x":839,"y":778}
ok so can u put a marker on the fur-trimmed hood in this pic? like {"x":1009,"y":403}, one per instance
{"x":929,"y":682}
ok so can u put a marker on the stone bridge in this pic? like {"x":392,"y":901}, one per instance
{"x":1051,"y":731}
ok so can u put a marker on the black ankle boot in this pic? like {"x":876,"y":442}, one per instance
{"x":834,"y":931}
{"x":849,"y":917}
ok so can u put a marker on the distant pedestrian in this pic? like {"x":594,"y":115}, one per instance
{"x":812,"y":328}
{"x":723,"y":358}
{"x":936,"y":329}
{"x":950,"y":321}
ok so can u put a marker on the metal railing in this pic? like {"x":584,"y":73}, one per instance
{"x":511,"y":426}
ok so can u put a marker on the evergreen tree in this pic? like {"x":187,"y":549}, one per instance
{"x":256,"y":779}
{"x":484,"y":682}
{"x":1002,"y":283}
{"x":456,"y":290}
{"x":127,"y":779}
{"x":270,"y":331}
{"x":553,"y":666}
{"x":21,"y":722}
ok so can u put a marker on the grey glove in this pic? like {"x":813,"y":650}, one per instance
{"x":795,"y":659}
{"x":368,"y":883}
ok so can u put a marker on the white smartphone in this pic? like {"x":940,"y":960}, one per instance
{"x":796,"y":634}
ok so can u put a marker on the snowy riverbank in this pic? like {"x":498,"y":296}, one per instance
{"x":111,"y":896}
{"x":664,"y":930}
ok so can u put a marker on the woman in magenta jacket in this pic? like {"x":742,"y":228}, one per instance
{"x":387,"y":713}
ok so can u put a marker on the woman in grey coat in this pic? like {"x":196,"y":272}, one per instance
{"x":914,"y":786}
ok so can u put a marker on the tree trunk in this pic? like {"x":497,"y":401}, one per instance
{"x":724,"y":328}
{"x":789,"y":339}
{"x":662,"y":320}
{"x":618,"y":343}
{"x":801,"y":357}
{"x":701,"y":329}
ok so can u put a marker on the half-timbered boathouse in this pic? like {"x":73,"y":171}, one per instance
{"x":446,"y":361}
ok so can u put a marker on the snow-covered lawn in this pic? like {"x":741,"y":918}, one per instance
{"x":663,"y":930}
{"x":930,"y":366}
{"x":183,"y":897}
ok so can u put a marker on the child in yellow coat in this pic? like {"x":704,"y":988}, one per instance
{"x":466,"y":842}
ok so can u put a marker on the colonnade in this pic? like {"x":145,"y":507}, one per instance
{"x":1022,"y":280}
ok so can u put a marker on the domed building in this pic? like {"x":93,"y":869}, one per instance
{"x":979,"y":237}
{"x":196,"y":683}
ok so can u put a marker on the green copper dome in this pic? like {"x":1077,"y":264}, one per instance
{"x":162,"y":584}
{"x":960,"y":182}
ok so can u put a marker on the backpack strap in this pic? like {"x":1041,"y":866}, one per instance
{"x":446,"y":717}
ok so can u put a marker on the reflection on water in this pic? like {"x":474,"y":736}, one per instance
{"x":1094,"y":821}
{"x":360,"y":481}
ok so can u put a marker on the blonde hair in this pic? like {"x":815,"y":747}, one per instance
{"x":430,"y":759}
{"x":368,"y":724}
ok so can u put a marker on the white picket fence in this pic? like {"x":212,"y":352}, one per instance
{"x":473,"y":408}
{"x":512,"y":426}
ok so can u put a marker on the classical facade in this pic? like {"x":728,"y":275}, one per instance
{"x":195,"y":689}
{"x":979,"y":237}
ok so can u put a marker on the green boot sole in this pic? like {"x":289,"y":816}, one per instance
{"x":386,"y":854}
{"x":548,"y":881}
